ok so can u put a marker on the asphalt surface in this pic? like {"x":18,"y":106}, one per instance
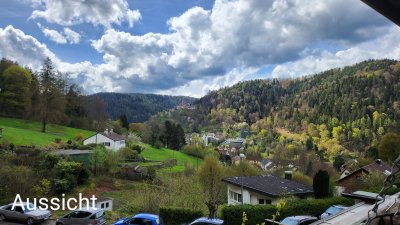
{"x":49,"y":222}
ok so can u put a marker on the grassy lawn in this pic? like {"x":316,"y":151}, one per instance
{"x":151,"y":153}
{"x":23,"y":132}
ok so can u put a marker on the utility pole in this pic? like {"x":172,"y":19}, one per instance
{"x":242,"y":156}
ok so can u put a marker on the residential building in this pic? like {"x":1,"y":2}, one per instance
{"x":264,"y":189}
{"x":346,"y":182}
{"x":108,"y":138}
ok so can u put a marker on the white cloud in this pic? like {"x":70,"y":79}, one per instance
{"x":53,"y":35}
{"x":199,"y":88}
{"x":25,"y":49}
{"x":386,"y":46}
{"x":97,"y":12}
{"x":203,"y":44}
{"x":68,"y":36}
{"x":72,"y":36}
{"x":209,"y":49}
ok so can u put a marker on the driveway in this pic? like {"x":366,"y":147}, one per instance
{"x":49,"y":222}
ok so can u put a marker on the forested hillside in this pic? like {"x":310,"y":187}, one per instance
{"x":139,"y":107}
{"x":350,"y":107}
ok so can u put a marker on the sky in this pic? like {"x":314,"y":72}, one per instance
{"x":190,"y":47}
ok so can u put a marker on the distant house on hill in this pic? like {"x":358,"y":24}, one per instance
{"x":345,"y":182}
{"x":264,"y":189}
{"x":107,"y":138}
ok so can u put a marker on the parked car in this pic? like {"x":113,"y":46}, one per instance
{"x":299,"y":220}
{"x":207,"y":221}
{"x":140,"y":219}
{"x":23,"y":214}
{"x":332,"y":211}
{"x":83,"y":217}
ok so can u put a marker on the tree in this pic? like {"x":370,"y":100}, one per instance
{"x":52,"y":101}
{"x":96,"y":108}
{"x":389,"y":148}
{"x":124,"y":121}
{"x":210,"y":176}
{"x":338,"y":161}
{"x":321,"y":184}
{"x":75,"y":107}
{"x":15,"y":95}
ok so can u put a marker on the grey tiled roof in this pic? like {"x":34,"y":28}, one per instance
{"x":270,"y":185}
{"x":113,"y":136}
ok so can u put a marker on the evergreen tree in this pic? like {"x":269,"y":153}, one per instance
{"x":321,"y":184}
{"x":124,"y":121}
{"x":389,"y":148}
{"x":52,"y":101}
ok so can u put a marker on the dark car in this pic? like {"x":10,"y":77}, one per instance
{"x":140,"y":219}
{"x":29,"y":215}
{"x":299,"y":220}
{"x":207,"y":221}
{"x":83,"y":217}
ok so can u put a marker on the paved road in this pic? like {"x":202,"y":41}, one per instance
{"x":50,"y":222}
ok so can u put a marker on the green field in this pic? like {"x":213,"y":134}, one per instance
{"x":162,"y":154}
{"x":23,"y":132}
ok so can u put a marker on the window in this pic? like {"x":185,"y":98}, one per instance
{"x":235,"y":196}
{"x":106,"y":143}
{"x":82,"y":214}
{"x":140,"y":221}
{"x":102,"y":206}
{"x":122,"y":142}
{"x":264,"y":201}
{"x":107,"y":204}
{"x":19,"y":209}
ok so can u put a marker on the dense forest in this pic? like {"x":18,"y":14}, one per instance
{"x":139,"y":107}
{"x":347,"y":108}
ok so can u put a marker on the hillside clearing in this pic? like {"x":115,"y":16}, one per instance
{"x":23,"y":132}
{"x":162,"y":154}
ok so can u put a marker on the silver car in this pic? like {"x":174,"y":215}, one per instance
{"x":83,"y":217}
{"x":25,"y":215}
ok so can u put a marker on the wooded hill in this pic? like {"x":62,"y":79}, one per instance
{"x":139,"y":107}
{"x":355,"y":104}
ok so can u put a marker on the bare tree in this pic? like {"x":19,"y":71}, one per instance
{"x":210,"y":176}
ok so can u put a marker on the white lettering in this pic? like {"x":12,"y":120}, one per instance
{"x":18,"y":199}
{"x":55,"y":202}
{"x":43,"y":204}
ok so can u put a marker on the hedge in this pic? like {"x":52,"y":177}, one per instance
{"x":177,"y":216}
{"x":256,"y":214}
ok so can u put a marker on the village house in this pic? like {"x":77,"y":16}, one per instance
{"x":264,"y":189}
{"x":108,"y":138}
{"x":346,"y":181}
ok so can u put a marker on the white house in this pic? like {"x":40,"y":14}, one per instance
{"x":107,"y":138}
{"x":105,"y":204}
{"x":264,"y":189}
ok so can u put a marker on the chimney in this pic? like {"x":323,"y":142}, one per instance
{"x":106,"y":131}
{"x":111,"y":131}
{"x":288,"y":175}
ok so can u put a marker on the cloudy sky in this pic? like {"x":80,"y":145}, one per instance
{"x":189,"y":47}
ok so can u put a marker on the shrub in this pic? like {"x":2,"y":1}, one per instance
{"x":257,"y":214}
{"x":177,"y":216}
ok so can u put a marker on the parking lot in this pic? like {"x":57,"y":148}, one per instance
{"x":49,"y":222}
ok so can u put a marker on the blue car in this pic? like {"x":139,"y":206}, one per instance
{"x":299,"y":220}
{"x":140,"y":219}
{"x":332,"y":211}
{"x":207,"y":221}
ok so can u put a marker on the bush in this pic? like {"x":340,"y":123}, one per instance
{"x":177,"y":216}
{"x":257,"y":214}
